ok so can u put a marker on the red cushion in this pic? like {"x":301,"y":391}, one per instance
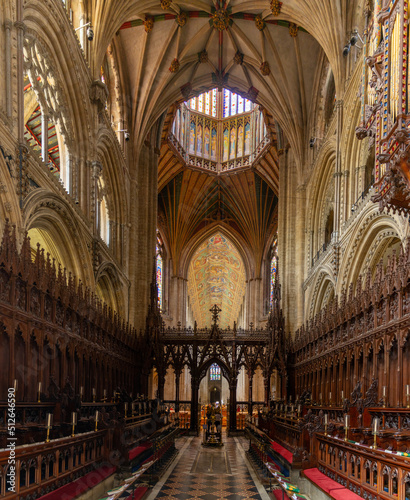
{"x":139,"y":449}
{"x":81,"y":485}
{"x":280,"y":495}
{"x":332,"y":487}
{"x":345,"y":495}
{"x":328,"y":485}
{"x":140,"y":492}
{"x":314,"y":474}
{"x":282,"y":451}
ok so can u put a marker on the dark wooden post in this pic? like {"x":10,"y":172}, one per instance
{"x":232,"y":404}
{"x":177,"y":378}
{"x":250,"y":376}
{"x":194,"y":404}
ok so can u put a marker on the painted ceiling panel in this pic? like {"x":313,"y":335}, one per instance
{"x":216,"y":276}
{"x":242,"y":203}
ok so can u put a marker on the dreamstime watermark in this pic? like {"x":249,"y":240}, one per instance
{"x":11,"y":440}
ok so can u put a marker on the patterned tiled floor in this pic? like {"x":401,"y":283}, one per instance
{"x":209,"y":474}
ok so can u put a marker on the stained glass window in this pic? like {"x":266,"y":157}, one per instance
{"x":215,"y":372}
{"x":160,"y":273}
{"x":226,"y":102}
{"x":273,"y":270}
{"x":214,"y":103}
{"x":221,"y":126}
{"x":241,"y":102}
{"x":104,"y":221}
{"x":207,"y":103}
{"x":232,"y":103}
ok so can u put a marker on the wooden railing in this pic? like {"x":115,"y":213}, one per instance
{"x":43,"y":467}
{"x":374,"y":474}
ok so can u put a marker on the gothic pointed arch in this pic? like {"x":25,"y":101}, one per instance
{"x":50,"y":222}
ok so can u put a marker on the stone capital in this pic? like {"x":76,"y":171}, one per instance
{"x":98,"y":93}
{"x":20,"y":26}
{"x":96,"y":169}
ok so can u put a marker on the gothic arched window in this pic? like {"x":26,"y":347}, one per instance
{"x":214,"y":372}
{"x":272,"y":271}
{"x":159,"y":272}
{"x":104,"y":221}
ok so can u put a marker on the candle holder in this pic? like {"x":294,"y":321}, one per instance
{"x":408,"y":400}
{"x":375,"y":431}
{"x":73,"y":422}
{"x":48,"y":435}
{"x":96,"y":421}
{"x":39,"y":397}
{"x":347,"y":423}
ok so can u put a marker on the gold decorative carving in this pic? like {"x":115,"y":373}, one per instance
{"x":174,"y":66}
{"x":203,"y":56}
{"x":265,"y":69}
{"x":181,"y":19}
{"x":275,"y":7}
{"x":238,"y":58}
{"x":165,"y":4}
{"x":148,"y":23}
{"x":260,"y":23}
{"x":220,"y":20}
{"x":293,"y":30}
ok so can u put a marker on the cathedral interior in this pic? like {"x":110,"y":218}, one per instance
{"x":204,"y":249}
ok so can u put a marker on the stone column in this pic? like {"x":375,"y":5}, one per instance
{"x":8,"y":25}
{"x":338,"y":172}
{"x":177,"y":300}
{"x":21,"y":28}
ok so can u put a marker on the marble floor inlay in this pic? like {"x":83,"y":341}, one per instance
{"x":210,"y":474}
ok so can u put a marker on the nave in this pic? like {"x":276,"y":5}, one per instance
{"x":210,"y":473}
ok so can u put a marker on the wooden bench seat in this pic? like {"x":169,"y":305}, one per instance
{"x":329,"y":486}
